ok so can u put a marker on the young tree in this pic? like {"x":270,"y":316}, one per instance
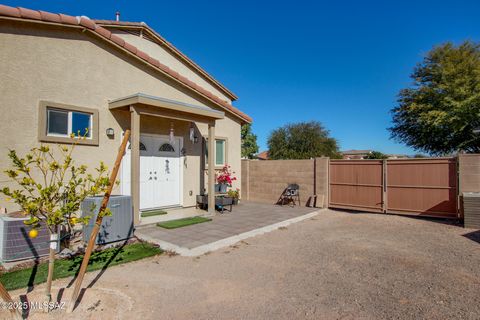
{"x":376,"y":155}
{"x":439,"y":113}
{"x":51,"y":191}
{"x":302,"y":140}
{"x":249,"y":142}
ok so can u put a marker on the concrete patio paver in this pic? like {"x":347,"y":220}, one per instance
{"x":247,"y":219}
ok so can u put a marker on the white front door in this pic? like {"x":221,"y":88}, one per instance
{"x":160,"y":172}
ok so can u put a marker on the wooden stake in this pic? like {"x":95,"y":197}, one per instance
{"x":10,"y":304}
{"x":98,"y":223}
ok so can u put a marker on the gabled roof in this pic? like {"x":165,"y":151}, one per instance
{"x":89,"y":25}
{"x":127,"y":25}
{"x":262,"y":155}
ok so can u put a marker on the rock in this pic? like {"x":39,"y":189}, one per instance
{"x":66,"y":253}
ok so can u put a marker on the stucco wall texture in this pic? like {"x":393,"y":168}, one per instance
{"x":64,"y":65}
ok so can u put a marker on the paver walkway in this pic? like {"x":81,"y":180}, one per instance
{"x":245,"y":217}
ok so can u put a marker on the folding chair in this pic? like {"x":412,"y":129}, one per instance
{"x":290,"y":195}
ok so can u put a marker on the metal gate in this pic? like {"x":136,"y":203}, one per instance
{"x":426,"y":187}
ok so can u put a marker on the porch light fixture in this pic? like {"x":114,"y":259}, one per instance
{"x":193,"y":136}
{"x":110,"y":132}
{"x":171,"y":138}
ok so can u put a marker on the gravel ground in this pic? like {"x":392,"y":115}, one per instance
{"x":337,"y":265}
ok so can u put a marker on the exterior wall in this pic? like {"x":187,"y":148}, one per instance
{"x":58,"y":64}
{"x":172,"y":62}
{"x":264,"y":181}
{"x":469,"y":172}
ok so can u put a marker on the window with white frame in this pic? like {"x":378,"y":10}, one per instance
{"x":220,"y":152}
{"x":63,"y":123}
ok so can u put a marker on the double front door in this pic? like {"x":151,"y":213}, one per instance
{"x":159,"y":179}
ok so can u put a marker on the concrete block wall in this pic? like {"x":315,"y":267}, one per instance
{"x":469,"y":172}
{"x":264,"y":181}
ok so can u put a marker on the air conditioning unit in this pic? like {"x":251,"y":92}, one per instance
{"x":471,"y":210}
{"x":117,"y":227}
{"x":15,"y":244}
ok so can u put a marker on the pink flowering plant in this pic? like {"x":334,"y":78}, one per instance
{"x":225,"y":176}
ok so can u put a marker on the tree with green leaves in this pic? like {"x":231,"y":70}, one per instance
{"x":376,"y":155}
{"x":51,"y":188}
{"x":302,"y":140}
{"x":249,"y":142}
{"x":419,"y":156}
{"x":439,"y":112}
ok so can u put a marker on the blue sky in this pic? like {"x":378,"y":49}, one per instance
{"x":339,"y":62}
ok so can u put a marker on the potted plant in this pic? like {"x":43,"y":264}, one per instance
{"x":224,"y":179}
{"x":234,"y":194}
{"x":51,"y":187}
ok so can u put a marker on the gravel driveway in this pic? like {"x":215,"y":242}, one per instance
{"x":337,"y":265}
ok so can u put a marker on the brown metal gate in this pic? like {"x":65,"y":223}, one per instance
{"x":426,"y":187}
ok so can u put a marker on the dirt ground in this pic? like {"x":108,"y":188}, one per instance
{"x":337,"y":265}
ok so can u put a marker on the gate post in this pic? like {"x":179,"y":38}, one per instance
{"x":384,"y":187}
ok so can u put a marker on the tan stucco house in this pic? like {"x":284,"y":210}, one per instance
{"x":60,"y":74}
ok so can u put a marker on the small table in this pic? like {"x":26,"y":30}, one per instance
{"x":221,"y":201}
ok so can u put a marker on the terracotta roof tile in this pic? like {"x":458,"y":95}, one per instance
{"x":9,"y":11}
{"x":117,"y":40}
{"x":90,"y":24}
{"x":174,"y":74}
{"x":66,"y":19}
{"x":165,"y":68}
{"x":104,"y":32}
{"x":154,"y":61}
{"x":51,"y":17}
{"x":29,"y":14}
{"x":130,"y":48}
{"x":143,"y":55}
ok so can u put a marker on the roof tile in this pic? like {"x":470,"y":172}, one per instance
{"x":117,"y":40}
{"x":9,"y":11}
{"x":87,"y":23}
{"x":29,"y":14}
{"x":103,"y":32}
{"x":130,"y":48}
{"x":164,"y":68}
{"x":174,"y":74}
{"x":66,"y":19}
{"x":154,"y":61}
{"x":51,"y":17}
{"x":143,"y":55}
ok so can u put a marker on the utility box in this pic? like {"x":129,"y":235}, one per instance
{"x":15,"y":244}
{"x":117,"y":227}
{"x":471,"y":210}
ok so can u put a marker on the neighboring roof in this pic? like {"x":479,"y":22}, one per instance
{"x":90,"y":25}
{"x":165,"y":103}
{"x":262,"y":155}
{"x":356,"y":152}
{"x":169,"y":46}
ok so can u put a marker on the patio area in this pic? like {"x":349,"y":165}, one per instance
{"x":246,"y":220}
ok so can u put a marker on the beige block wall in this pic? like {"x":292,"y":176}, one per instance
{"x":172,"y":62}
{"x":469,"y":172}
{"x":264,"y":181}
{"x":73,"y":67}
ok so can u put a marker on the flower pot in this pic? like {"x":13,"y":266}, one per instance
{"x":223,"y":187}
{"x":235,"y":201}
{"x":217,"y":187}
